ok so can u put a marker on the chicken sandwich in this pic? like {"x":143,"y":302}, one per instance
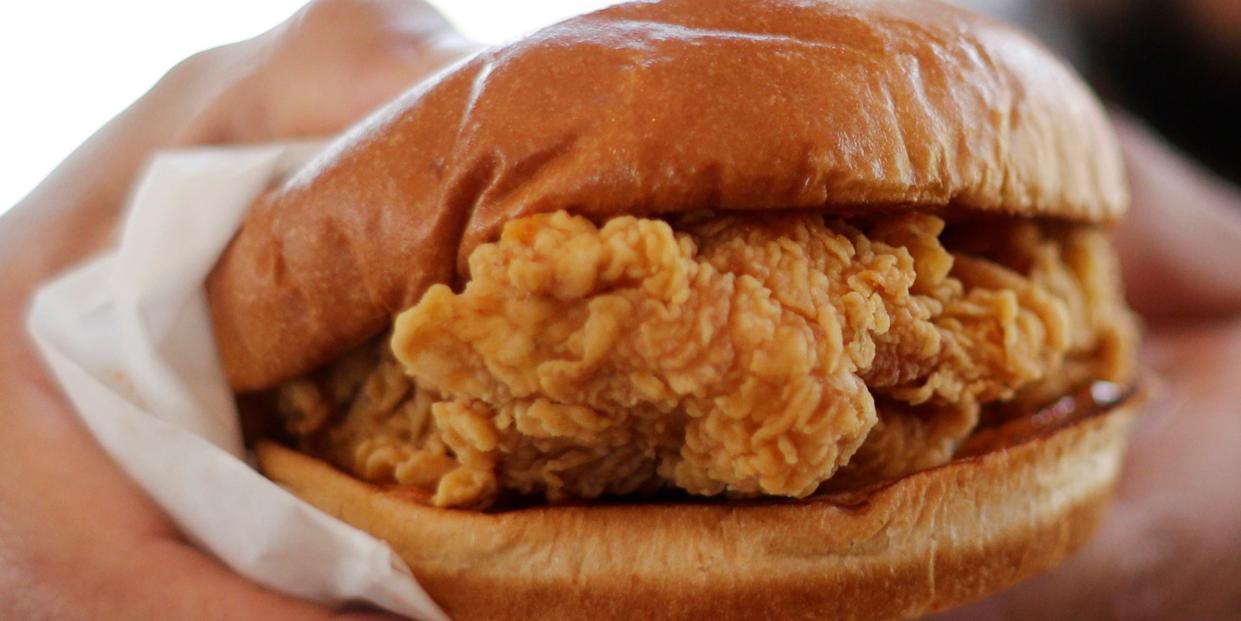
{"x":685,"y":308}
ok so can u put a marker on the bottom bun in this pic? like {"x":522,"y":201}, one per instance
{"x":923,"y":543}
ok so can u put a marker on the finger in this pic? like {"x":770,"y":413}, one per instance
{"x":169,"y":579}
{"x":1180,"y":246}
{"x":328,"y":66}
{"x":77,"y":535}
{"x":409,"y":36}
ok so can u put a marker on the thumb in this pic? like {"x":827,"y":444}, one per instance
{"x":1180,"y":246}
{"x":326,"y":67}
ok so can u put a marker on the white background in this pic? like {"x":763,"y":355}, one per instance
{"x":67,"y":66}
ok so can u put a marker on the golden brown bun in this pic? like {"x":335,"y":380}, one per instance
{"x":926,"y":542}
{"x":659,"y":107}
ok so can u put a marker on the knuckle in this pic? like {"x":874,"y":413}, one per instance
{"x":333,"y":12}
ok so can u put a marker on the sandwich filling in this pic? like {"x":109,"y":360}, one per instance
{"x":716,"y":354}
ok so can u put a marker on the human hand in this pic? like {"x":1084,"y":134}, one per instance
{"x":1170,"y":547}
{"x":77,"y":538}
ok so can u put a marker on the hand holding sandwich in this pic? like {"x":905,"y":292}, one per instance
{"x":102,"y":564}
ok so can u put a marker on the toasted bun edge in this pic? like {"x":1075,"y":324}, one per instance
{"x":926,"y":542}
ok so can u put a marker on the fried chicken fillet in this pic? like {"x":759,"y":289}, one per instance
{"x":729,"y":354}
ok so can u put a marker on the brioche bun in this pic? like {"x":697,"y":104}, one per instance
{"x":835,"y":106}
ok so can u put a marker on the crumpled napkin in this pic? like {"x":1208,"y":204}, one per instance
{"x":128,"y":337}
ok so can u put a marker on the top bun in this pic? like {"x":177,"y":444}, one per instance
{"x":658,"y":107}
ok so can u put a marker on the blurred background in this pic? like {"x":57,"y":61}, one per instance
{"x":70,"y":65}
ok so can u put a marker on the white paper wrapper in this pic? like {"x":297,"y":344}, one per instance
{"x":129,"y":338}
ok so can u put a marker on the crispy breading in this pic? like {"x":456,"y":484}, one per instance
{"x":719,"y":354}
